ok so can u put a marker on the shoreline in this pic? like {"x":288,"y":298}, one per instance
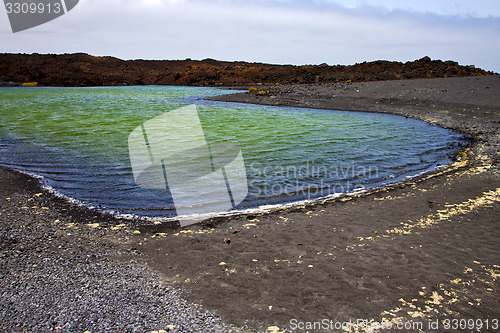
{"x":418,"y":99}
{"x":341,"y":259}
{"x":251,"y":210}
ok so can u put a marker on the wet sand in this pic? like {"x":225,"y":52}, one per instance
{"x":415,"y":252}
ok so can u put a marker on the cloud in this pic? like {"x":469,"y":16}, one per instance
{"x":276,"y":31}
{"x":466,"y":8}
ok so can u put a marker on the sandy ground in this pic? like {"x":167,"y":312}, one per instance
{"x":411,"y":253}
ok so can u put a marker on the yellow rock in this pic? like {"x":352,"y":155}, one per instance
{"x":436,"y":298}
{"x":118,"y":227}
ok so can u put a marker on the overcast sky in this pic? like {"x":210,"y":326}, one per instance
{"x":272,"y":31}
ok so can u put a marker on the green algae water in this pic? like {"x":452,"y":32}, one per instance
{"x":76,"y":140}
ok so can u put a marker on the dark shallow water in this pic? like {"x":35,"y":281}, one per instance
{"x":76,"y":139}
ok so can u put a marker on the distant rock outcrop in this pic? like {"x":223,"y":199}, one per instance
{"x":85,"y":70}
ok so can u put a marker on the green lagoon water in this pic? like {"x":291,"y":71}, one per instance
{"x":77,"y":140}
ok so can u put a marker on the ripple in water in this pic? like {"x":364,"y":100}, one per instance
{"x":76,"y":139}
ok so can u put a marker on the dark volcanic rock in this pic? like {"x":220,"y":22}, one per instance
{"x":85,"y":70}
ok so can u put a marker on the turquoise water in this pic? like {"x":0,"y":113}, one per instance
{"x":77,"y":140}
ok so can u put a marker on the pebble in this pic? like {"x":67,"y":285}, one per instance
{"x":52,"y":282}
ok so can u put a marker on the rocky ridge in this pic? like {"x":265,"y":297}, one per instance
{"x":86,"y":70}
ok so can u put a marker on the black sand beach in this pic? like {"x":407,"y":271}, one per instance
{"x":415,"y":252}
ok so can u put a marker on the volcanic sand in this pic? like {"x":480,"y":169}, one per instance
{"x":411,"y":252}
